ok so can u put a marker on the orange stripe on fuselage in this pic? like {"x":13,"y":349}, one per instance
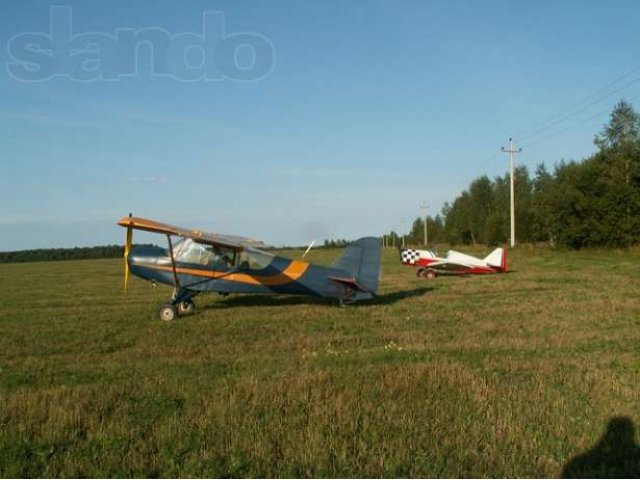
{"x":290,"y":274}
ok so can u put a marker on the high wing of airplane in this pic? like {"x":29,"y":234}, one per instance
{"x":454,"y":263}
{"x":196,"y":262}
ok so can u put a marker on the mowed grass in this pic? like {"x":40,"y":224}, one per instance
{"x":509,"y":375}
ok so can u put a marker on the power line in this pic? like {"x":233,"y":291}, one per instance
{"x":577,"y":104}
{"x":586,"y":107}
{"x":573,"y":126}
{"x":534,"y":134}
{"x":569,"y":112}
{"x":486,"y":163}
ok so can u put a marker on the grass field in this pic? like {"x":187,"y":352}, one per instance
{"x":510,"y":375}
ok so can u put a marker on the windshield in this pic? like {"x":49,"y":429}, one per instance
{"x":189,"y":251}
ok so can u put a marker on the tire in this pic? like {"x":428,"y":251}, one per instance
{"x":186,"y":307}
{"x":168,"y":313}
{"x":420,"y":272}
{"x":429,"y":274}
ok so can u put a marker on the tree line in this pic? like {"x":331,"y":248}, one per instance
{"x":52,"y":254}
{"x":594,"y":202}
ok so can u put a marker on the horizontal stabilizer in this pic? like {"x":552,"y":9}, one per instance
{"x":351,"y":282}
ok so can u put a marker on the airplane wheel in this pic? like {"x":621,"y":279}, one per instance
{"x":186,"y":307}
{"x":168,"y":313}
{"x":348,"y":296}
{"x":429,"y":274}
{"x":420,"y":272}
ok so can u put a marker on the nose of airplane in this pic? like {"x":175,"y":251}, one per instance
{"x":146,"y":254}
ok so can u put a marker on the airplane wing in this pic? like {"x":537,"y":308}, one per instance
{"x":231,"y":241}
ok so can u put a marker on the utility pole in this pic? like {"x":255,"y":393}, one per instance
{"x":425,"y":207}
{"x":511,"y":151}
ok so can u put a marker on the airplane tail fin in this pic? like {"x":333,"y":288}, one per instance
{"x":362,"y":259}
{"x":497,"y":259}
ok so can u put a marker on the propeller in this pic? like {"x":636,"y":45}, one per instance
{"x":127,"y":249}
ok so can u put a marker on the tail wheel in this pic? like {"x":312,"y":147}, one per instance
{"x":348,"y":296}
{"x":168,"y":313}
{"x":186,"y":307}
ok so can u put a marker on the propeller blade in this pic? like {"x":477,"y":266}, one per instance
{"x":127,"y":249}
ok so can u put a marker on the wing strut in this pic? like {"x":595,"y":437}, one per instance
{"x":173,"y":262}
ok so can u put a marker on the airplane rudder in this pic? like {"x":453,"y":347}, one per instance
{"x":369,"y":271}
{"x":496,"y":258}
{"x":362,"y":260}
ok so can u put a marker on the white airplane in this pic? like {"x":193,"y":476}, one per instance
{"x":455,"y":263}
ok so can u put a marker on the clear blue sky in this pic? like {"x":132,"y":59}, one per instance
{"x":370,"y":109}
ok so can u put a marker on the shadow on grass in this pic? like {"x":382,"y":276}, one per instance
{"x":476,"y":275}
{"x":616,"y":455}
{"x":286,"y":300}
{"x":393,"y":297}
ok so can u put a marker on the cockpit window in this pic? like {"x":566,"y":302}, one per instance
{"x":251,"y":259}
{"x":189,"y":251}
{"x":217,"y":257}
{"x":223,"y":257}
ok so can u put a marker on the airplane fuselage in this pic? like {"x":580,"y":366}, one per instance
{"x":281,"y":275}
{"x":197,"y":262}
{"x":455,"y":263}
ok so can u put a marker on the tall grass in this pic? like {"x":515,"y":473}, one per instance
{"x":511,"y":375}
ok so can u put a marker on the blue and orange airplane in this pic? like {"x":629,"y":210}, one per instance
{"x":196,"y":262}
